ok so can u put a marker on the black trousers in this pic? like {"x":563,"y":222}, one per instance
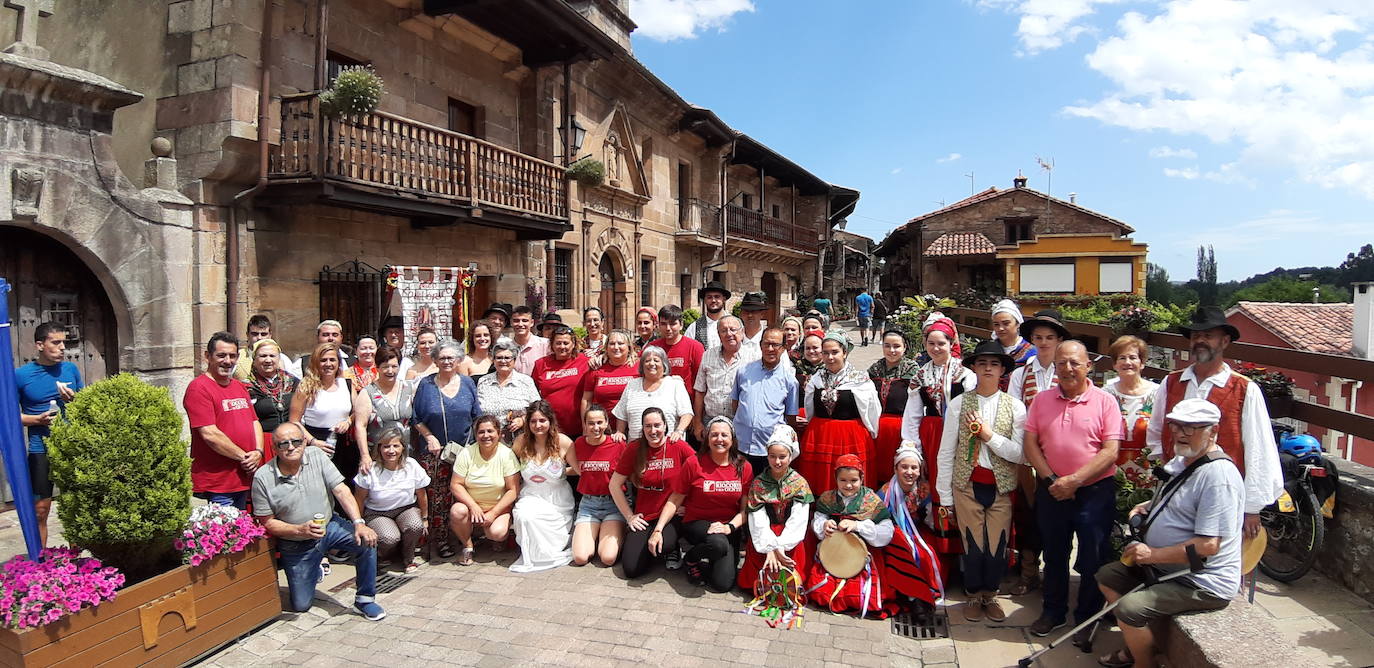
{"x":634,"y":554}
{"x":722,"y":550}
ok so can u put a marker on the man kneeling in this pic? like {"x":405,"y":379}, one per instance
{"x":1200,"y":510}
{"x":288,"y":494}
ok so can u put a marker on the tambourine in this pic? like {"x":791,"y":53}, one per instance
{"x":843,"y":555}
{"x":1251,"y":549}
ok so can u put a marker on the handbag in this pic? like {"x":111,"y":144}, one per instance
{"x":450,"y":451}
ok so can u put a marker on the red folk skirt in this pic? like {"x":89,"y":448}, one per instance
{"x":908,"y":577}
{"x":826,"y":440}
{"x":945,"y":541}
{"x":884,"y":449}
{"x":866,"y":594}
{"x":753,"y":560}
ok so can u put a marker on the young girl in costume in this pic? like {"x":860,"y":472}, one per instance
{"x":852,"y":508}
{"x":913,"y":570}
{"x":778,"y":505}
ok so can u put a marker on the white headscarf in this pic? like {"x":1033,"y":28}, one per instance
{"x":907,"y":450}
{"x":1009,"y":306}
{"x":784,"y":435}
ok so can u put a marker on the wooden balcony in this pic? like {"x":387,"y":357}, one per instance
{"x":752,"y":225}
{"x":398,"y":166}
{"x":698,"y":223}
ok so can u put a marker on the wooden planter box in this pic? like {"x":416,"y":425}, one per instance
{"x":167,"y":620}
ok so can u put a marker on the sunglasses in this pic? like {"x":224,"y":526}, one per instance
{"x":289,"y":444}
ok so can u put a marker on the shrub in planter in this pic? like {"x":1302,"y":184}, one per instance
{"x":588,"y":171}
{"x":124,"y":475}
{"x":356,"y":91}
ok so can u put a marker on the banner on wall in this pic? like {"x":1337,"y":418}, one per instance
{"x":432,"y":297}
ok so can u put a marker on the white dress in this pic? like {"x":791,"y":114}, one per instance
{"x":543,"y":517}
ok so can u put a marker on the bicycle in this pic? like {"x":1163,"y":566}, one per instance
{"x":1295,"y":521}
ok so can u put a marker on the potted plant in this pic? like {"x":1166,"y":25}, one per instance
{"x":124,"y":475}
{"x":60,"y":583}
{"x":1276,"y":387}
{"x":588,"y":171}
{"x":1133,"y":320}
{"x":356,"y":91}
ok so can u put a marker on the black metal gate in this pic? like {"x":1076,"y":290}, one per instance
{"x":354,"y":293}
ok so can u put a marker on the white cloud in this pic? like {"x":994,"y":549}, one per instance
{"x":949,"y":158}
{"x":1228,"y":173}
{"x":1188,"y":173}
{"x":667,"y":20}
{"x":1273,"y":227}
{"x":1049,"y":24}
{"x":1169,"y":152}
{"x":896,"y":170}
{"x":1287,"y":84}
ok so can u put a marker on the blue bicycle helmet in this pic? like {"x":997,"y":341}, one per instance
{"x":1302,"y":446}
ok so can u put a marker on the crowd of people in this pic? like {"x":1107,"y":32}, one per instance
{"x":739,"y":451}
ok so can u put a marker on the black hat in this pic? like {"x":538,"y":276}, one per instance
{"x":1210,"y":317}
{"x":713,"y":286}
{"x":497,"y":307}
{"x":1049,"y":317}
{"x":994,"y":349}
{"x":393,"y":321}
{"x":754,"y":301}
{"x":550,"y":320}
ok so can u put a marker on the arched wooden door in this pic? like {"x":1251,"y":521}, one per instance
{"x":770,"y":287}
{"x":613,"y":296}
{"x":52,"y":283}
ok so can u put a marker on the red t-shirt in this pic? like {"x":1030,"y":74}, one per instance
{"x":607,"y":384}
{"x":230,"y":409}
{"x":597,"y":462}
{"x":661,"y":470}
{"x":560,"y":384}
{"x":684,"y":358}
{"x":713,"y":491}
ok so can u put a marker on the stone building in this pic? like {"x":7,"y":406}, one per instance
{"x":1015,"y":241}
{"x":301,"y":216}
{"x":850,"y":267}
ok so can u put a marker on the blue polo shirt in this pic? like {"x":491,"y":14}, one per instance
{"x":766,"y":397}
{"x":37,"y":385}
{"x":864,"y":302}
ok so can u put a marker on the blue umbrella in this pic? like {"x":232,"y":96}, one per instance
{"x":15,"y":451}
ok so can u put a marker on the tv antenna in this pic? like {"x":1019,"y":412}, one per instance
{"x":971,"y":186}
{"x":1048,"y":167}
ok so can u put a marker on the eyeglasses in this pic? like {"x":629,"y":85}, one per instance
{"x":288,"y":444}
{"x":1188,"y":429}
{"x":503,"y":358}
{"x":448,"y":359}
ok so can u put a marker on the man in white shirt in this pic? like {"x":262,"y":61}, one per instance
{"x":532,"y":347}
{"x":1244,"y":432}
{"x":328,"y":331}
{"x":716,"y":378}
{"x":713,"y":297}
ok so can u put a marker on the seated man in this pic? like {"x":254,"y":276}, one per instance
{"x":288,"y":494}
{"x":1202,"y":512}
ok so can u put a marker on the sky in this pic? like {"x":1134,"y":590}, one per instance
{"x":1244,"y":124}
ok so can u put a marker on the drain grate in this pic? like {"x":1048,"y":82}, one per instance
{"x":386,"y":583}
{"x":927,"y":625}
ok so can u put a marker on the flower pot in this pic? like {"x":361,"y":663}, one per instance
{"x":169,"y":619}
{"x":1279,"y":406}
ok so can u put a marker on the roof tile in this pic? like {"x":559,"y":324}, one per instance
{"x":1318,"y":328}
{"x":961,"y":243}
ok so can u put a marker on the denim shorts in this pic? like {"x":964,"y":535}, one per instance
{"x":598,"y":509}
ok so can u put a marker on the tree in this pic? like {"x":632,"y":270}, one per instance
{"x":1285,"y":289}
{"x":1358,"y":267}
{"x":1206,"y":276}
{"x":1157,"y":285}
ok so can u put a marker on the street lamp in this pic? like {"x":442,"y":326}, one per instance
{"x":579,"y":134}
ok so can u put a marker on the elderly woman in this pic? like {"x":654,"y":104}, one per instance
{"x":558,"y":378}
{"x":1136,"y":396}
{"x":505,"y":392}
{"x":365,"y":365}
{"x":271,"y":389}
{"x":445,"y":405}
{"x":481,"y":337}
{"x":391,"y":397}
{"x":423,"y":364}
{"x":594,"y":321}
{"x":892,"y":377}
{"x":646,"y":327}
{"x":655,"y":388}
{"x":843,"y":411}
{"x":392,"y":498}
{"x":711,"y":493}
{"x":791,"y":337}
{"x":605,"y":385}
{"x":778,"y":503}
{"x":334,"y":412}
{"x":486,"y":482}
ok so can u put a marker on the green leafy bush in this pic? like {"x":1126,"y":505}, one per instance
{"x":690,"y":316}
{"x":124,"y":475}
{"x":588,"y":171}
{"x":356,"y":91}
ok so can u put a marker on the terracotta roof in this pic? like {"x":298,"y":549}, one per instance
{"x":961,"y":243}
{"x":1318,"y":328}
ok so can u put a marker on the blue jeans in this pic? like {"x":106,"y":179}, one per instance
{"x":236,"y":499}
{"x":1089,"y":516}
{"x":301,"y":561}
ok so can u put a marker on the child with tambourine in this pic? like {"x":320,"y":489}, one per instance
{"x":851,"y":521}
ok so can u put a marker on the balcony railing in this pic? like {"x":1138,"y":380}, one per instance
{"x":699,"y":217}
{"x":755,"y":226}
{"x":398,"y":154}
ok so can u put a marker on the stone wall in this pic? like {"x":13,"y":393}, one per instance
{"x":1347,"y":556}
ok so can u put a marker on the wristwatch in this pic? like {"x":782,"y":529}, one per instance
{"x":359,"y":521}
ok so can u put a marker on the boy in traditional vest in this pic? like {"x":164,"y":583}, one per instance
{"x":980,"y":453}
{"x":1045,"y":331}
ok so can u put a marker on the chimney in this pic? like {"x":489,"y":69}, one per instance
{"x":1073,"y":198}
{"x":1362,"y":343}
{"x":1019,"y":181}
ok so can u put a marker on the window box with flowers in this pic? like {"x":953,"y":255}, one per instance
{"x":1276,"y":387}
{"x":133,"y":517}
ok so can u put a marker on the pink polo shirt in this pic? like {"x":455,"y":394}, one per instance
{"x":534,"y":350}
{"x":1071,"y":431}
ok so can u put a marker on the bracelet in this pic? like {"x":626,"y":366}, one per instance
{"x":359,"y":521}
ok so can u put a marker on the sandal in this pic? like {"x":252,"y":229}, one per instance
{"x":412,"y":567}
{"x":445,"y":551}
{"x":325,"y":569}
{"x":1119,"y":659}
{"x":465,"y":558}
